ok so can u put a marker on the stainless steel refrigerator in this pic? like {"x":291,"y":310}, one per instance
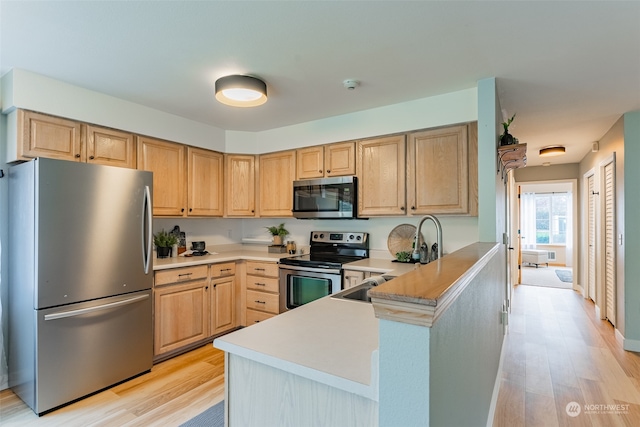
{"x":80,"y":278}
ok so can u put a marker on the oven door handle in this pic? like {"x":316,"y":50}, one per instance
{"x":310,"y":269}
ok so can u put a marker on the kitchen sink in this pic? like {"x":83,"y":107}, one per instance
{"x":357,"y":293}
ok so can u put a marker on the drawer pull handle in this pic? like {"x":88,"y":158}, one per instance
{"x":259,"y":269}
{"x":185,"y":274}
{"x":260,"y":284}
{"x":226,"y":269}
{"x":260,"y":302}
{"x":256,"y":321}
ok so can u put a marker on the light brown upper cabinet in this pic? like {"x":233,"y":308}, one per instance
{"x":240,"y":185}
{"x":326,"y":160}
{"x":205,"y":190}
{"x":381,"y":171}
{"x":48,"y":136}
{"x":167,"y":162}
{"x":437,"y":171}
{"x":110,"y":147}
{"x":57,"y":138}
{"x":277,"y":173}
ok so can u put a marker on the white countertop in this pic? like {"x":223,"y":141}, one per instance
{"x":233,"y":255}
{"x":382,"y":266}
{"x":331,"y":341}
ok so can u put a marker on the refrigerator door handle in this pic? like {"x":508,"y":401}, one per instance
{"x":147,"y":216}
{"x":73,"y":313}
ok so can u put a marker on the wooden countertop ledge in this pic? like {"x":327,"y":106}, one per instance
{"x":422,"y":295}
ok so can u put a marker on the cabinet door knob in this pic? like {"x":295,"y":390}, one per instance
{"x":328,"y":170}
{"x":401,"y":208}
{"x":182,"y":210}
{"x":319,"y":171}
{"x":413,"y":208}
{"x":91,"y":157}
{"x":190,"y":210}
{"x":77,"y":156}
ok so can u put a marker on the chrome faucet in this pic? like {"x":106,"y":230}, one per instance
{"x":416,"y":244}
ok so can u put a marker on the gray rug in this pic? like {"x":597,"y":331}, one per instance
{"x":565,"y":275}
{"x":212,"y":417}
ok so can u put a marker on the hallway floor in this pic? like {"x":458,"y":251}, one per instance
{"x":563,"y":366}
{"x":545,"y":276}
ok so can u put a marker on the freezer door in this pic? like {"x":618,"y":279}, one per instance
{"x":93,"y":231}
{"x":86,"y":347}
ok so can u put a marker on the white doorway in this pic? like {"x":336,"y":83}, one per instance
{"x":547,"y":221}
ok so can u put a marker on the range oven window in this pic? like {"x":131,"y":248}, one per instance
{"x":303,"y":290}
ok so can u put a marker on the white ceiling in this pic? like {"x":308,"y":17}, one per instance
{"x":568,"y":70}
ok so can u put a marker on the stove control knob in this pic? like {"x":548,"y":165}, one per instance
{"x":351,"y":237}
{"x":322,"y":236}
{"x":315,"y":236}
{"x":359,"y":238}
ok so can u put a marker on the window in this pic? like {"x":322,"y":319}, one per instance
{"x":551,"y":218}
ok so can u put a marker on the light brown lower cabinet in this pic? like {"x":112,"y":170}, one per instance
{"x":222,"y":304}
{"x":192,"y":304}
{"x":355,"y":277}
{"x":262,"y":293}
{"x":180,"y":315}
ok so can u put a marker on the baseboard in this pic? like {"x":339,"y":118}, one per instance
{"x":627,"y":344}
{"x":496,"y":386}
{"x":579,"y":289}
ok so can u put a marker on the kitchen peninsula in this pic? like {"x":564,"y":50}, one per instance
{"x":333,"y":362}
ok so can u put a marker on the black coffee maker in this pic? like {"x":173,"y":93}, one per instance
{"x":197,"y":249}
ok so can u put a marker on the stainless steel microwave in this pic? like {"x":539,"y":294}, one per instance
{"x":326,"y":198}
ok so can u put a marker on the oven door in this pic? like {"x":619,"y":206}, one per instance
{"x":301,"y":285}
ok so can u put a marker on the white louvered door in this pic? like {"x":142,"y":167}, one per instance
{"x":591,"y":237}
{"x":609,"y":242}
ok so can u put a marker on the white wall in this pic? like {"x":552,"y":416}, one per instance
{"x":4,"y":231}
{"x":450,"y":108}
{"x":31,"y":91}
{"x":457,"y":231}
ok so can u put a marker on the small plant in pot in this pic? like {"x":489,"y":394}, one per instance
{"x":506,"y":138}
{"x":164,"y":241}
{"x":278,"y":233}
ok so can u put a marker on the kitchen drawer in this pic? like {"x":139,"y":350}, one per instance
{"x":263,"y":301}
{"x":254,"y":316}
{"x":223,"y":269}
{"x":267,"y":284}
{"x":184,"y":274}
{"x":258,"y":268}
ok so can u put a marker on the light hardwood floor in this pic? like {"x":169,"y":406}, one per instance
{"x":557,"y":352}
{"x":173,"y":392}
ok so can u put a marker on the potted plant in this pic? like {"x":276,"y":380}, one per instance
{"x":506,"y":138}
{"x":278,"y":233}
{"x":164,"y":241}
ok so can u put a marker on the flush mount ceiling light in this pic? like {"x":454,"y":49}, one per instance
{"x":241,"y":91}
{"x":552,"y":151}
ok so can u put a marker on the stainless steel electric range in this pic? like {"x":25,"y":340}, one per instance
{"x":305,"y":278}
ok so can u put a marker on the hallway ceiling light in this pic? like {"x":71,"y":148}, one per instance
{"x":241,"y":91}
{"x":552,"y":151}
